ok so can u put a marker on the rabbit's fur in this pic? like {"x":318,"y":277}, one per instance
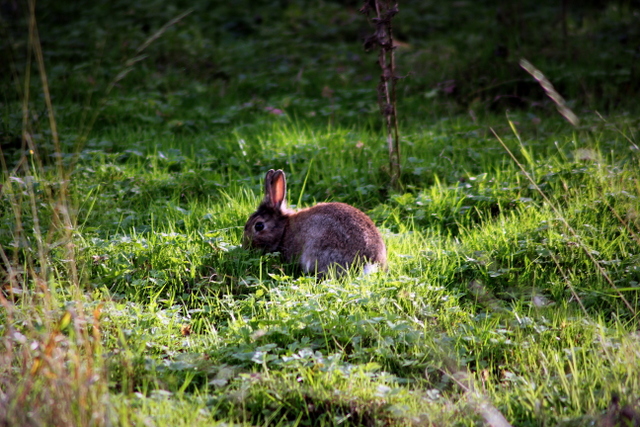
{"x":322,"y":236}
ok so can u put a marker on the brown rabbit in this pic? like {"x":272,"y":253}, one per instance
{"x":322,"y":236}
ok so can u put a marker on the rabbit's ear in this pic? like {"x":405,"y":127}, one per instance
{"x":267,"y":183}
{"x":275,"y":189}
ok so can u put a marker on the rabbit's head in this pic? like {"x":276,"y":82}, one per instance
{"x":265,"y":227}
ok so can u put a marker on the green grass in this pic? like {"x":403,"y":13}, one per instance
{"x":127,"y":300}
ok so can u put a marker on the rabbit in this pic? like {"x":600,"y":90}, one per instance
{"x":318,"y":238}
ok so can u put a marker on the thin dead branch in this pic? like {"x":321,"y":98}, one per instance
{"x":383,"y":12}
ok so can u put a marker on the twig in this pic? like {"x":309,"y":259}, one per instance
{"x":552,"y":93}
{"x":383,"y":37}
{"x":492,"y":416}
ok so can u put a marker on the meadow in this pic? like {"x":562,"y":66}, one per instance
{"x":135,"y":138}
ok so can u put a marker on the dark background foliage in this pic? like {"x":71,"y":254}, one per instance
{"x":455,"y":55}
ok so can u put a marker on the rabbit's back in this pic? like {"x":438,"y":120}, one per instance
{"x":332,"y":234}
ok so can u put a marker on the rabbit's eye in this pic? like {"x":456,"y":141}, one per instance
{"x":259,"y":226}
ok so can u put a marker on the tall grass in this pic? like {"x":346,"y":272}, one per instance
{"x":52,"y":367}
